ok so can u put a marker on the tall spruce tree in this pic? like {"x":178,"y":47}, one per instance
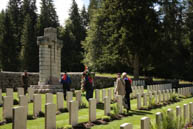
{"x":189,"y":38}
{"x":48,"y":16}
{"x":15,"y":14}
{"x":85,"y":17}
{"x":8,"y":45}
{"x":72,"y":36}
{"x":172,"y":50}
{"x":29,"y":53}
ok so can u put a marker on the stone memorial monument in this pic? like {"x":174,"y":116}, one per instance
{"x":49,"y":62}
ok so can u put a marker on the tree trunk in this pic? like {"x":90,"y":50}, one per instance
{"x":136,"y":67}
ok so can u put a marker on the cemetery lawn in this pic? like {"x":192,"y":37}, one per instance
{"x":62,"y":119}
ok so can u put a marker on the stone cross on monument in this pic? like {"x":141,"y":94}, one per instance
{"x":49,"y":57}
{"x":49,"y":62}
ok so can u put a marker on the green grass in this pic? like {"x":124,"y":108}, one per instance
{"x":62,"y":119}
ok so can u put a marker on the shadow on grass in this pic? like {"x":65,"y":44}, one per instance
{"x":136,"y":112}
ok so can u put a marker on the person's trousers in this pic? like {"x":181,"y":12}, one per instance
{"x":64,"y":91}
{"x":89,"y":94}
{"x":127,"y":99}
{"x":25,"y":89}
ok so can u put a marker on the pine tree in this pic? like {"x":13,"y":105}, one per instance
{"x":72,"y":36}
{"x":85,"y":17}
{"x":172,"y":49}
{"x":48,"y":16}
{"x":29,"y":52}
{"x":189,"y":39}
{"x":93,"y":6}
{"x":14,"y":10}
{"x":8,"y":45}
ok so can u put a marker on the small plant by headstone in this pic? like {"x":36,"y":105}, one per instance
{"x":62,"y":110}
{"x":8,"y":120}
{"x":41,"y":114}
{"x":152,"y":103}
{"x":15,"y":102}
{"x":83,"y":105}
{"x":169,"y":122}
{"x":106,"y":118}
{"x":174,"y":98}
{"x":115,"y":114}
{"x":65,"y":127}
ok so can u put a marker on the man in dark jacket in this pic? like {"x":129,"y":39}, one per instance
{"x":66,"y":81}
{"x":128,"y":90}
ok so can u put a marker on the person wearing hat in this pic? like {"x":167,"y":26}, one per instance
{"x":128,"y":90}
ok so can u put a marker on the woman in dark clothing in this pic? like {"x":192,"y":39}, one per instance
{"x":128,"y":90}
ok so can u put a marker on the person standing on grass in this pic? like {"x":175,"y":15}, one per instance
{"x":128,"y":90}
{"x":66,"y":81}
{"x":87,"y":84}
{"x":120,"y":87}
{"x":24,"y":80}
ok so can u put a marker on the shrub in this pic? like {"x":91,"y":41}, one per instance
{"x":174,"y":98}
{"x":83,"y":105}
{"x":152,"y":103}
{"x":106,"y":118}
{"x":15,"y":102}
{"x":169,"y":122}
{"x":115,"y":109}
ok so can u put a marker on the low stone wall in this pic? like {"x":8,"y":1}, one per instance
{"x":13,"y":80}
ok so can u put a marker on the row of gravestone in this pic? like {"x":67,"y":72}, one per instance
{"x":50,"y":115}
{"x":136,"y":83}
{"x":187,"y":91}
{"x":187,"y":118}
{"x":50,"y":111}
{"x":36,"y":99}
{"x":161,"y":96}
{"x":20,"y":91}
{"x":23,"y":100}
{"x":135,"y":90}
{"x":159,"y":87}
{"x":8,"y":104}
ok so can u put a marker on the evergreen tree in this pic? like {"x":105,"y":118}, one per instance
{"x":173,"y":52}
{"x":15,"y":14}
{"x":121,"y":32}
{"x":48,"y":16}
{"x":85,"y":17}
{"x":189,"y":39}
{"x":72,"y":36}
{"x":93,"y":6}
{"x":8,"y":45}
{"x":29,"y":52}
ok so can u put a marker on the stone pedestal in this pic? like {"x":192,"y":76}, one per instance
{"x":49,"y":61}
